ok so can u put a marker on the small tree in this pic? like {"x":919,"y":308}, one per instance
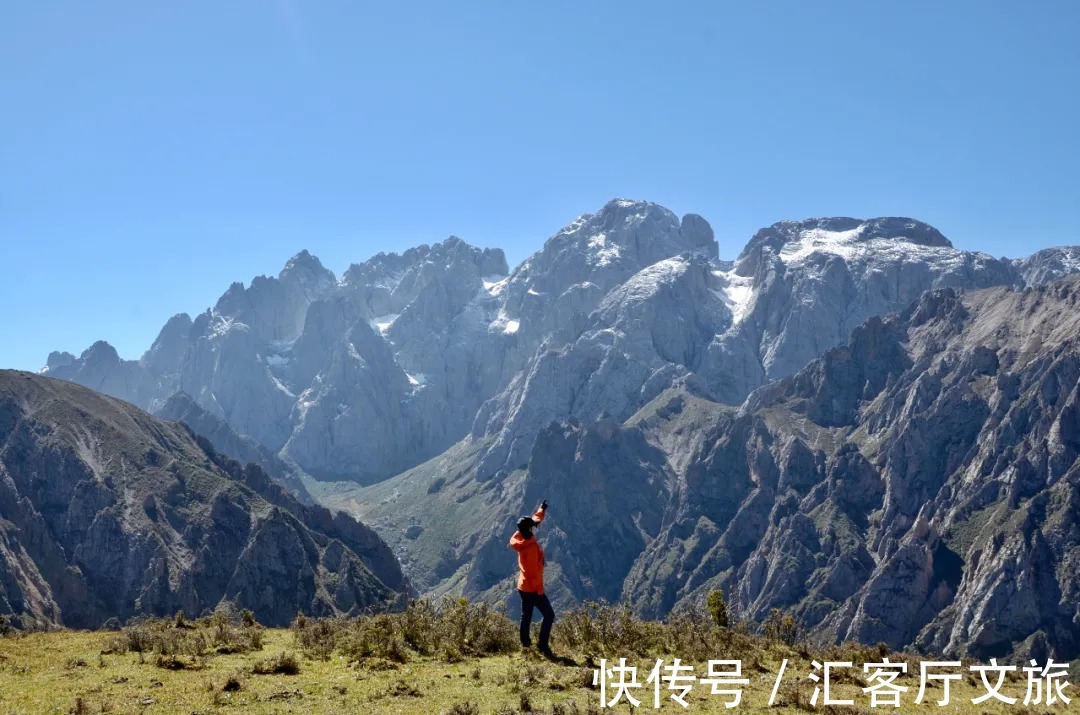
{"x":717,"y":607}
{"x":781,"y":627}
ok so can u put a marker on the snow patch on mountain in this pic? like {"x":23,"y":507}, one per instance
{"x":860,"y":243}
{"x":382,"y":323}
{"x":280,"y":385}
{"x":649,"y":280}
{"x":737,"y":292}
{"x":503,"y":323}
{"x":220,"y":325}
{"x":603,"y":253}
{"x":817,"y":240}
{"x":494,"y":285}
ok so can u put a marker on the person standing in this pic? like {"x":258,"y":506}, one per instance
{"x":530,"y":582}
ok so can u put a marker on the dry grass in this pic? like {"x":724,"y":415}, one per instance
{"x":451,"y":631}
{"x":455,"y":662}
{"x":213,"y":635}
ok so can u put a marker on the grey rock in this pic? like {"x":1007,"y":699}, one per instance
{"x":914,"y":485}
{"x":615,"y":308}
{"x":796,"y":446}
{"x":182,"y":408}
{"x":109,"y":513}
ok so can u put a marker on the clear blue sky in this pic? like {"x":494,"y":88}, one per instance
{"x":153,"y":152}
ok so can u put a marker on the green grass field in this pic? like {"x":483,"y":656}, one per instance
{"x":279,"y":672}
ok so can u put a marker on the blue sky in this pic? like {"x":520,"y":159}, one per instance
{"x":153,"y":152}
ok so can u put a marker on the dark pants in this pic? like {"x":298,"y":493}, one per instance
{"x":540,"y":602}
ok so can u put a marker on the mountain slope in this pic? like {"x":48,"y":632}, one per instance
{"x":918,"y":485}
{"x":182,"y":408}
{"x":366,"y":377}
{"x":110,"y":512}
{"x":613,"y":359}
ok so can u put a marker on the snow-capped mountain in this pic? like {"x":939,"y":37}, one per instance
{"x":363,"y":377}
{"x":437,"y":388}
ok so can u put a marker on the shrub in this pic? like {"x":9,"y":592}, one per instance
{"x":317,"y":638}
{"x":178,"y":636}
{"x":232,"y":684}
{"x":454,"y":630}
{"x":693,"y":634}
{"x":169,"y":662}
{"x":475,"y":629}
{"x":717,"y":608}
{"x":375,"y":637}
{"x":781,"y":627}
{"x":420,"y":627}
{"x":598,"y":628}
{"x":283,"y":664}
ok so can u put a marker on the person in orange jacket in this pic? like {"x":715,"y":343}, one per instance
{"x":530,"y":583}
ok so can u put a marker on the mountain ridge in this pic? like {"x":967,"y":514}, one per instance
{"x":917,"y":485}
{"x":110,"y":512}
{"x":434,"y":392}
{"x":452,"y":327}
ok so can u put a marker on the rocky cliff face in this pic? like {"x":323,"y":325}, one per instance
{"x":182,"y":408}
{"x":457,"y":389}
{"x":919,"y":484}
{"x":110,"y":512}
{"x":365,"y":377}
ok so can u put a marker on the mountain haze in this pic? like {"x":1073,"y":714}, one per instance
{"x":109,"y":512}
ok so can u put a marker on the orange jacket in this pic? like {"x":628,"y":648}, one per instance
{"x":530,"y":559}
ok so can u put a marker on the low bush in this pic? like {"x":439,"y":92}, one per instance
{"x":452,"y":630}
{"x":178,"y":636}
{"x":598,"y":628}
{"x":283,"y":664}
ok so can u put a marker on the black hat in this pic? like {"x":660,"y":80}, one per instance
{"x":526,"y":521}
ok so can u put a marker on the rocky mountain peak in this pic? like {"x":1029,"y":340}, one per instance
{"x":615,"y":307}
{"x":100,"y":352}
{"x":307,"y":270}
{"x":167,"y":352}
{"x":697,"y":232}
{"x":907,"y":229}
{"x":794,"y":241}
{"x":176,"y":330}
{"x":1049,"y":264}
{"x":230,"y":298}
{"x":605,"y":248}
{"x":387,"y":269}
{"x":623,"y":225}
{"x":58,"y":359}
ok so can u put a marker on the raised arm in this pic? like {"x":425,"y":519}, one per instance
{"x":541,"y":512}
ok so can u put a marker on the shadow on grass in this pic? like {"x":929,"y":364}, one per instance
{"x":561,"y":660}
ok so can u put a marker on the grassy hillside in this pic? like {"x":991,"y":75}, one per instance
{"x":459,"y":660}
